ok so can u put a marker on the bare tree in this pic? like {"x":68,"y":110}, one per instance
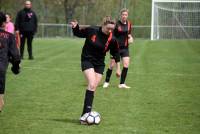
{"x":69,"y":7}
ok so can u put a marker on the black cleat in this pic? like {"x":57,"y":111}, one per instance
{"x":31,"y":58}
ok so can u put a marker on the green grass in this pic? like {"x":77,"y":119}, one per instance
{"x":47,"y":97}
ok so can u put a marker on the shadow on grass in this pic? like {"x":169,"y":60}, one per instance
{"x":68,"y":120}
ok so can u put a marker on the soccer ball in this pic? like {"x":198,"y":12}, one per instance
{"x":93,"y":118}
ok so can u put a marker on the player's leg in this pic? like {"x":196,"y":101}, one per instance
{"x":29,"y":44}
{"x":1,"y":102}
{"x":2,"y":90}
{"x":98,"y":74}
{"x":22,"y":38}
{"x":93,"y":76}
{"x":89,"y":94}
{"x":125,"y":62}
{"x":109,"y":73}
{"x":98,"y":78}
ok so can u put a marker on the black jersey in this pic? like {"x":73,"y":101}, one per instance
{"x":26,"y":21}
{"x":8,"y":50}
{"x":97,"y":44}
{"x":121,"y":32}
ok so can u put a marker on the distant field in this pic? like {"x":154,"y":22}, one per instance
{"x":47,"y":97}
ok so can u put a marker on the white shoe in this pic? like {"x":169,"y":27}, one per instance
{"x":105,"y":85}
{"x":123,"y":86}
{"x":83,"y":119}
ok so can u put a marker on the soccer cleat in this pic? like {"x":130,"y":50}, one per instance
{"x":123,"y":86}
{"x":31,"y":58}
{"x":105,"y":85}
{"x":83,"y":119}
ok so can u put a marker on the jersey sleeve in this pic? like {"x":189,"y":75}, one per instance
{"x":116,"y":31}
{"x":13,"y":52}
{"x":114,"y":50}
{"x":129,"y":27}
{"x":36,"y":22}
{"x":80,"y":32}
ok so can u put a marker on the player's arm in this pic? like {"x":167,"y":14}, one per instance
{"x":17,"y":38}
{"x":14,"y":56}
{"x":82,"y":33}
{"x":130,"y":37}
{"x":36,"y":23}
{"x":114,"y":51}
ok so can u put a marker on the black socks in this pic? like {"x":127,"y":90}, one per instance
{"x":108,"y":74}
{"x":89,"y":95}
{"x":123,"y":75}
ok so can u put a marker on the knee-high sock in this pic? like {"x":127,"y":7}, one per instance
{"x":89,"y":95}
{"x":123,"y":75}
{"x":108,"y":75}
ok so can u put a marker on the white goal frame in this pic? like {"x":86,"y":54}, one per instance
{"x":153,"y":25}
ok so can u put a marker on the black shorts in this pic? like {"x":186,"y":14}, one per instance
{"x":2,"y":82}
{"x":97,"y":68}
{"x":123,"y":53}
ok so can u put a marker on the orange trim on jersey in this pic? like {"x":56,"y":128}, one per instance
{"x":129,"y":27}
{"x":17,"y":38}
{"x":129,"y":32}
{"x":108,"y":42}
{"x":93,"y":38}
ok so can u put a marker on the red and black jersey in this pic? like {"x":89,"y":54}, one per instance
{"x":8,"y":50}
{"x":121,"y":32}
{"x":97,"y":44}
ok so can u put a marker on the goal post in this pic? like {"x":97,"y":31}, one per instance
{"x":175,"y":19}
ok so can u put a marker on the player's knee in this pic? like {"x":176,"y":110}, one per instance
{"x":92,"y":86}
{"x":126,"y":64}
{"x":112,"y":64}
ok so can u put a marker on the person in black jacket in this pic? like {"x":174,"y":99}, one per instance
{"x":8,"y":52}
{"x":122,"y":32}
{"x":26,"y":26}
{"x":98,"y":42}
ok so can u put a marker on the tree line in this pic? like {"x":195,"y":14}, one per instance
{"x":85,"y":11}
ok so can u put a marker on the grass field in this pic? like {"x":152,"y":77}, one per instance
{"x":47,"y":97}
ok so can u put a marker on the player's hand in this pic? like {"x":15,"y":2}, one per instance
{"x":74,"y":23}
{"x":17,"y":32}
{"x":15,"y":69}
{"x":130,"y":39}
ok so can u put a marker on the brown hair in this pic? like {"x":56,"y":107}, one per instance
{"x":108,"y":20}
{"x":123,"y":10}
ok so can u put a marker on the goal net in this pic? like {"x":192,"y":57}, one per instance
{"x":175,"y":19}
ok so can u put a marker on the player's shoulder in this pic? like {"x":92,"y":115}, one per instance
{"x":118,"y":22}
{"x":95,"y":28}
{"x":32,"y":11}
{"x":92,"y":29}
{"x":130,"y":22}
{"x":21,"y":11}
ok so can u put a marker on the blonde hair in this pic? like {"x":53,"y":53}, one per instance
{"x":123,"y":10}
{"x":108,"y":20}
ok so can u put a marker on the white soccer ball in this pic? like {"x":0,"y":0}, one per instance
{"x":93,"y":118}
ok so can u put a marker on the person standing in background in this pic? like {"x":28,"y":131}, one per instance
{"x":26,"y":26}
{"x":9,"y":25}
{"x":8,"y":53}
{"x":123,"y":34}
